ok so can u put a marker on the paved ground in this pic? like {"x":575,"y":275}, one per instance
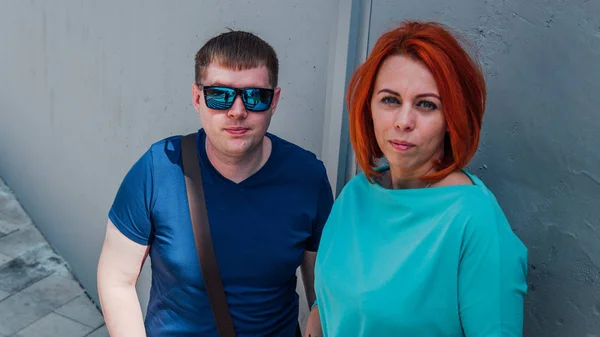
{"x":38,"y":295}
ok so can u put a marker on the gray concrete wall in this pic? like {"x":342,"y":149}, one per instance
{"x":88,"y":86}
{"x":539,"y":152}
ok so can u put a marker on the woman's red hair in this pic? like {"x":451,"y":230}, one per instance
{"x":459,"y":80}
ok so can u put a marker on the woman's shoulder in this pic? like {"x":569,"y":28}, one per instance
{"x":481,"y":209}
{"x":469,"y":195}
{"x":456,"y":178}
{"x":349,"y":191}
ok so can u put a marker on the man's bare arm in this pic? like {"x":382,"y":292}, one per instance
{"x":119,"y":267}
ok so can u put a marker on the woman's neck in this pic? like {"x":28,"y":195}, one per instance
{"x":401,"y":178}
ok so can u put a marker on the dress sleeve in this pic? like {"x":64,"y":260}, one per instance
{"x":131,"y":209}
{"x":324,"y":204}
{"x":492,"y":276}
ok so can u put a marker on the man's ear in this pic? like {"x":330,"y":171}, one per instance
{"x":276,"y":95}
{"x":196,"y":96}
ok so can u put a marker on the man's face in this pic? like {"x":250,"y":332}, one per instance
{"x":235,"y":132}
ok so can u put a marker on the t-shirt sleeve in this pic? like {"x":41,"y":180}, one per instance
{"x":131,"y":209}
{"x":492,"y":276}
{"x":324,"y":204}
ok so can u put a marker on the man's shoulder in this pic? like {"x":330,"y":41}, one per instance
{"x":171,"y":142}
{"x":166,"y":150}
{"x":297,"y":156}
{"x":288,"y":145}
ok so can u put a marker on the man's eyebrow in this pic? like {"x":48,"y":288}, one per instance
{"x":218,"y":84}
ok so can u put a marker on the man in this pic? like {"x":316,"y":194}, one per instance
{"x":267,"y":202}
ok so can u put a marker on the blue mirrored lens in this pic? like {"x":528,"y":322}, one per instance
{"x":257,"y":99}
{"x":219,"y":98}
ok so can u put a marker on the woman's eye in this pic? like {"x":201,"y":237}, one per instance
{"x":427,"y":105}
{"x":390,"y":100}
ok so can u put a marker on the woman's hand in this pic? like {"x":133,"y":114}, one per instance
{"x":313,"y":325}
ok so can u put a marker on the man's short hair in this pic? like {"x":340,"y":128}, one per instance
{"x":237,"y":50}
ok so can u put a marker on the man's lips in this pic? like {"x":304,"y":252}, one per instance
{"x":402,"y":145}
{"x":236,"y":130}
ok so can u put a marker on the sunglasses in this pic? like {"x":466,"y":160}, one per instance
{"x":222,"y":98}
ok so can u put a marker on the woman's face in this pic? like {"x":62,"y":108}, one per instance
{"x":408,"y":115}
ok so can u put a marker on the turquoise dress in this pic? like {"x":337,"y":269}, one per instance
{"x":432,"y":262}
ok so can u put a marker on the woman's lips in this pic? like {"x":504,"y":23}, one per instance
{"x":402,"y":145}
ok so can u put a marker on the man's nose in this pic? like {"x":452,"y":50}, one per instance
{"x":237,"y":110}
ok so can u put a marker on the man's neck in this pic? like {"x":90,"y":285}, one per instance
{"x":238,"y":169}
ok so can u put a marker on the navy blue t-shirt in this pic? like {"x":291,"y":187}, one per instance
{"x":260,"y":229}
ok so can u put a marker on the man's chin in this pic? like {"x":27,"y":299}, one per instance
{"x":239,"y":149}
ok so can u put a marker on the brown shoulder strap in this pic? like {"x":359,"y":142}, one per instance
{"x":204,"y":245}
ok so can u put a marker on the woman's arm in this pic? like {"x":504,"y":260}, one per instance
{"x":492,"y":277}
{"x":120,"y":264}
{"x":313,"y":325}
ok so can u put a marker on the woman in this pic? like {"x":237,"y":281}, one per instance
{"x":418,"y":247}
